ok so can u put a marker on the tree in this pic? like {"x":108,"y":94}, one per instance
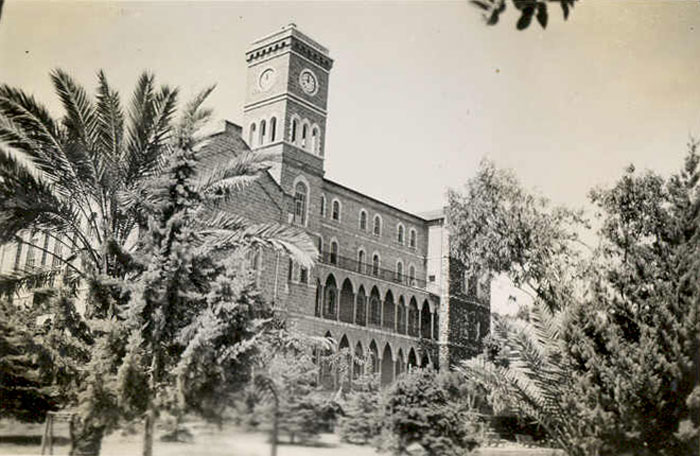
{"x":90,"y":181}
{"x":533,"y":379}
{"x":492,"y":10}
{"x":285,"y":362}
{"x":361,"y":422}
{"x":419,"y":409}
{"x":192,"y":313}
{"x":636,"y":341}
{"x":499,"y":228}
{"x":613,"y":367}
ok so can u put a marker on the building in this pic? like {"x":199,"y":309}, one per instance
{"x":384,"y":281}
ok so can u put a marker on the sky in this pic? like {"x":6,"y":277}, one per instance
{"x":420,"y":92}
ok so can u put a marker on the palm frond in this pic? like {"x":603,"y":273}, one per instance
{"x":193,"y":118}
{"x":27,"y":279}
{"x":110,"y":131}
{"x":218,"y":184}
{"x":291,"y":240}
{"x":81,"y":126}
{"x":30,"y":129}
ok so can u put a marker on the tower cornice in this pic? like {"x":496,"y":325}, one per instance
{"x":290,"y":38}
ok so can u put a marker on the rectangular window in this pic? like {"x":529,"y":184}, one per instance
{"x":303,"y":275}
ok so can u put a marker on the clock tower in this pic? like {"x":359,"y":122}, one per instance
{"x":286,"y":102}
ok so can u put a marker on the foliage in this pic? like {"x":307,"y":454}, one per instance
{"x":535,"y":380}
{"x":40,"y":357}
{"x":614,"y":367}
{"x":500,"y":228}
{"x":419,"y":409}
{"x":284,"y":390}
{"x":193,"y":315}
{"x":95,"y":181}
{"x":492,"y":10}
{"x":636,"y":343}
{"x":361,"y":422}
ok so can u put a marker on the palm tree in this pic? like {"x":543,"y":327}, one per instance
{"x":74,"y":180}
{"x":83,"y":181}
{"x":536,"y":380}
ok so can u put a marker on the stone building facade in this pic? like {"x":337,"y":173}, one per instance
{"x":384,"y":281}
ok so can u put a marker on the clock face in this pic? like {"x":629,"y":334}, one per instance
{"x":308,"y":82}
{"x":267,"y":78}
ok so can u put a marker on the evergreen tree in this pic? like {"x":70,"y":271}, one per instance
{"x":616,"y":369}
{"x":418,"y":409}
{"x":636,"y":342}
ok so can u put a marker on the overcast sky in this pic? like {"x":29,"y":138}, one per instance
{"x":419,"y":91}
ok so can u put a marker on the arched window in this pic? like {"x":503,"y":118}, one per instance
{"x":399,"y":271}
{"x":300,"y":203}
{"x":18,"y":253}
{"x":315,"y":143}
{"x":263,"y":131}
{"x":273,"y":129}
{"x":363,"y":220}
{"x":57,"y":250}
{"x":45,"y":251}
{"x":29,"y":261}
{"x":294,"y":131}
{"x":375,"y":264}
{"x":331,"y":299}
{"x":323,"y":205}
{"x":377,"y":230}
{"x":412,"y":239}
{"x":304,"y":132}
{"x":400,"y":234}
{"x":334,"y":252}
{"x":360,"y":260}
{"x":251,"y":135}
{"x":412,"y":275}
{"x":335,"y":211}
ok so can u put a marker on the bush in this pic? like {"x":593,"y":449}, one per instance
{"x":361,"y":421}
{"x":419,"y":409}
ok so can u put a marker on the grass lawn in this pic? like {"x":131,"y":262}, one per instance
{"x":208,"y":441}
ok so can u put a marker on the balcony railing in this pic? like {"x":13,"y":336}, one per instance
{"x":368,"y":269}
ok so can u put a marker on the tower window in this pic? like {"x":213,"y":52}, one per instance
{"x":377,"y":230}
{"x":304,"y":129}
{"x":323,"y":205}
{"x":315,"y":144}
{"x":399,"y":271}
{"x":335,"y":214}
{"x":400,"y":234}
{"x":300,"y":204}
{"x":251,"y":135}
{"x":363,"y":220}
{"x":294,"y":131}
{"x":412,"y":239}
{"x":273,"y":129}
{"x":263,"y":128}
